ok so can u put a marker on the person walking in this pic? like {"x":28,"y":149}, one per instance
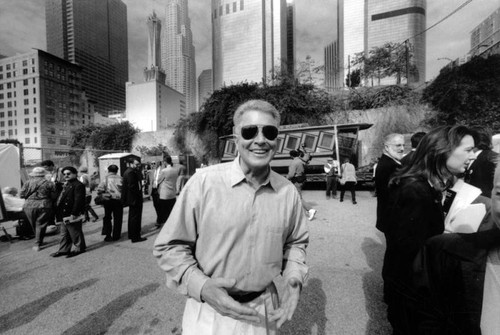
{"x":297,"y":175}
{"x":225,"y":242}
{"x":331,"y":169}
{"x":167,"y":189}
{"x":40,"y":195}
{"x":113,"y":208}
{"x":154,"y":176}
{"x":132,"y":197}
{"x":348,"y":180}
{"x":70,"y":209}
{"x":84,"y":178}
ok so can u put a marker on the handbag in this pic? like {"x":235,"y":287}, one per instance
{"x":104,"y":197}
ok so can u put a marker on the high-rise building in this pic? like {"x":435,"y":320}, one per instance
{"x":92,"y":34}
{"x":290,"y":37}
{"x":249,"y":40}
{"x":205,"y":87}
{"x":177,"y":51}
{"x":485,"y":38}
{"x":42,"y":102}
{"x":365,"y":24}
{"x":154,"y":44}
{"x":332,"y":67}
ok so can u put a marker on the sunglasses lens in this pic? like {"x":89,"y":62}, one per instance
{"x":270,"y":132}
{"x":249,"y":132}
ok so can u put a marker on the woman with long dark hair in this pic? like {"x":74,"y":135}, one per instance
{"x":415,"y":214}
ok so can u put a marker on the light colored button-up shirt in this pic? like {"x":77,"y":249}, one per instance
{"x":222,"y":227}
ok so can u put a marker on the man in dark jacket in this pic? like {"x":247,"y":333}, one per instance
{"x":70,"y":207}
{"x":132,"y":197}
{"x":394,"y":145}
{"x":481,"y":171}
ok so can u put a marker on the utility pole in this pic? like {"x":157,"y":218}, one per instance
{"x":407,"y":64}
{"x":348,"y":71}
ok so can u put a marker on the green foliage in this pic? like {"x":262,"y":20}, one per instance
{"x":296,"y":102}
{"x":10,"y":141}
{"x":389,"y":60}
{"x":381,"y":96}
{"x":117,"y":136}
{"x":81,"y":138}
{"x":354,"y":78}
{"x":159,"y":150}
{"x":467,"y":94}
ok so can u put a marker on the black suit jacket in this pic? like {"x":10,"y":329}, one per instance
{"x":386,"y":166}
{"x":71,"y":201}
{"x":482,"y":171}
{"x":131,"y":188}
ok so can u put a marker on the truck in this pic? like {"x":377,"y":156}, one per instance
{"x":322,"y":142}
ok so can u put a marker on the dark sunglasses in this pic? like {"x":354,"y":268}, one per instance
{"x":249,"y":132}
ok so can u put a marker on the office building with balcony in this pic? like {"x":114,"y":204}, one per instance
{"x":178,"y":52}
{"x":92,"y":34}
{"x":42,"y":102}
{"x":249,"y":40}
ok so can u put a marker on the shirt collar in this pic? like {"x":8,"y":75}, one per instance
{"x":394,"y":159}
{"x":237,"y":176}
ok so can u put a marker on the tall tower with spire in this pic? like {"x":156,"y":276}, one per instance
{"x":177,"y":51}
{"x":154,"y":49}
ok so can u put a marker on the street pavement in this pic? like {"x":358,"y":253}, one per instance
{"x":117,"y":287}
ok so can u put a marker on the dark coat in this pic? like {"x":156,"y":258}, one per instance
{"x":131,"y":188}
{"x":482,"y":171}
{"x":71,"y":201}
{"x":386,"y":166}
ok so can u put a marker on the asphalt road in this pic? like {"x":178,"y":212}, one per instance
{"x":117,"y":288}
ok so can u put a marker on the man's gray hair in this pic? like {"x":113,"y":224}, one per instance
{"x":256,"y":105}
{"x":390,"y":137}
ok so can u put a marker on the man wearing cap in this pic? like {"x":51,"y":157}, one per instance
{"x":70,"y":209}
{"x":331,"y":170}
{"x":234,"y":229}
{"x":40,"y":194}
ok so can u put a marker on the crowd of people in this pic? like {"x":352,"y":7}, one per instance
{"x":238,"y":225}
{"x":61,"y":199}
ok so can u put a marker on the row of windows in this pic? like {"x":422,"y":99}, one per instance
{"x":13,"y":74}
{"x":11,"y":123}
{"x":228,"y":8}
{"x":12,"y":66}
{"x":9,"y":104}
{"x":14,"y":113}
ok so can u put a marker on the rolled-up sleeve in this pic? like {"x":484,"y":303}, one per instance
{"x":294,"y":250}
{"x":175,"y":245}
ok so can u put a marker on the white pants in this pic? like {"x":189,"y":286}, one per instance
{"x":201,"y":319}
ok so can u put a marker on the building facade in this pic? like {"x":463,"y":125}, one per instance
{"x":42,"y":102}
{"x":485,"y":38}
{"x":365,"y":24}
{"x":178,"y":52}
{"x":332,"y":67}
{"x":93,"y":34}
{"x":249,"y":40}
{"x":205,"y":87}
{"x":152,"y":105}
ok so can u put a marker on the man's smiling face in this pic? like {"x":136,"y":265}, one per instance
{"x":256,"y":153}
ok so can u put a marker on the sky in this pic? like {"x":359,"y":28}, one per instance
{"x":22,"y":27}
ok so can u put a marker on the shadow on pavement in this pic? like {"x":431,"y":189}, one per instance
{"x":100,"y":321}
{"x":310,"y":311}
{"x":28,"y":312}
{"x":373,"y":288}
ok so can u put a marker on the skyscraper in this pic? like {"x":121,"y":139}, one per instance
{"x":205,"y":87}
{"x":92,"y":34}
{"x":290,"y":37}
{"x":177,"y":51}
{"x":365,"y":24}
{"x":249,"y":40}
{"x":154,"y":33}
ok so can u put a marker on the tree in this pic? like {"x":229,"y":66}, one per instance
{"x":296,"y":102}
{"x":389,"y":60}
{"x":117,"y":136}
{"x":353,"y":78}
{"x":467,"y":94}
{"x":81,"y":138}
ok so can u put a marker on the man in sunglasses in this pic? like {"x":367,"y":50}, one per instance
{"x":235,"y":228}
